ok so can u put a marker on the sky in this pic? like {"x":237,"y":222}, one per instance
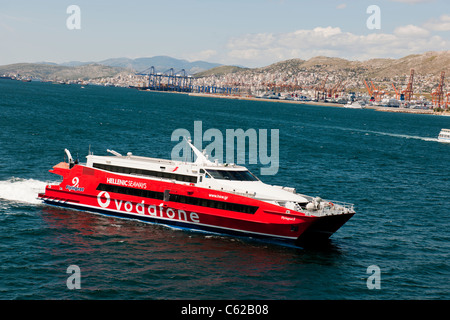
{"x":251,"y":33}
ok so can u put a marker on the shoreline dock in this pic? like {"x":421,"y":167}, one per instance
{"x":326,"y":104}
{"x":236,"y":97}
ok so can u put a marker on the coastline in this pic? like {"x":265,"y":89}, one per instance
{"x":313,"y":103}
{"x":222,"y":96}
{"x":326,"y":104}
{"x":413,"y":111}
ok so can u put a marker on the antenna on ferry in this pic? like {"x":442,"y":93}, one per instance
{"x":201,"y":159}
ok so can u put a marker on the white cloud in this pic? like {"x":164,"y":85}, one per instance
{"x":441,"y":24}
{"x":265,"y":48}
{"x":411,"y":31}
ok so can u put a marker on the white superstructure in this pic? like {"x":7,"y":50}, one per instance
{"x":204,"y":173}
{"x":444,"y":135}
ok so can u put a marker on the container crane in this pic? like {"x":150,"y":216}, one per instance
{"x":321,"y":89}
{"x":333,"y":92}
{"x":447,"y":101}
{"x":150,"y":72}
{"x":397,"y":94}
{"x":408,"y":92}
{"x":437,"y":95}
{"x":370,"y":90}
{"x":341,"y":89}
{"x":374,"y":92}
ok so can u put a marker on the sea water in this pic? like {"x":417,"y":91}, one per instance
{"x":389,"y":165}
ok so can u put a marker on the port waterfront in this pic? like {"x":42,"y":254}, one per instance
{"x":136,"y":82}
{"x":323,"y":103}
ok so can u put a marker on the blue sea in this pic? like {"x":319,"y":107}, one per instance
{"x":389,"y":165}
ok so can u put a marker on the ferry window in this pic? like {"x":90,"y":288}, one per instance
{"x":232,"y":175}
{"x":166,"y":196}
{"x":246,"y":176}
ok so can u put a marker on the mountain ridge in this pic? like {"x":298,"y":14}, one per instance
{"x":161,"y":64}
{"x":429,"y":63}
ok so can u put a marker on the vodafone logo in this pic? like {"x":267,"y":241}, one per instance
{"x":103,"y":203}
{"x":161,"y":210}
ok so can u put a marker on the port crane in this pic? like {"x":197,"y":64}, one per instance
{"x":369,"y":89}
{"x":320,"y":90}
{"x":377,"y":92}
{"x":341,"y":89}
{"x":408,"y":92}
{"x":154,"y":79}
{"x":397,"y":94}
{"x":168,"y":80}
{"x":437,"y":95}
{"x":447,"y":101}
{"x":332,"y":93}
{"x":374,"y":92}
{"x":337,"y":89}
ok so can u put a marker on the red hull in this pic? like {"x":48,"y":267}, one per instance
{"x":178,"y":204}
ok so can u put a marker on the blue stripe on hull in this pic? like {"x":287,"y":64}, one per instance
{"x":176,"y":223}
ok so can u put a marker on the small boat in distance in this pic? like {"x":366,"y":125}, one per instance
{"x":444,"y":136}
{"x":353,"y":105}
{"x":201,"y":195}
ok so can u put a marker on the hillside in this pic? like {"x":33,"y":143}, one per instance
{"x":313,"y":72}
{"x":430,"y":63}
{"x":221,"y":70}
{"x":57,"y":72}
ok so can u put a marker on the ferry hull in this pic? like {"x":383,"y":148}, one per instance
{"x":322,"y":229}
{"x":281,"y":233}
{"x":176,"y":224}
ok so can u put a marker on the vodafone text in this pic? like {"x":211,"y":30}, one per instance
{"x":161,"y":211}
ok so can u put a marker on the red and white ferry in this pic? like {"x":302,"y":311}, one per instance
{"x":200,"y":195}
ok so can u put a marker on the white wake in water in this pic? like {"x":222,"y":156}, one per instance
{"x":404,"y":136}
{"x":21,"y":190}
{"x":400,"y":135}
